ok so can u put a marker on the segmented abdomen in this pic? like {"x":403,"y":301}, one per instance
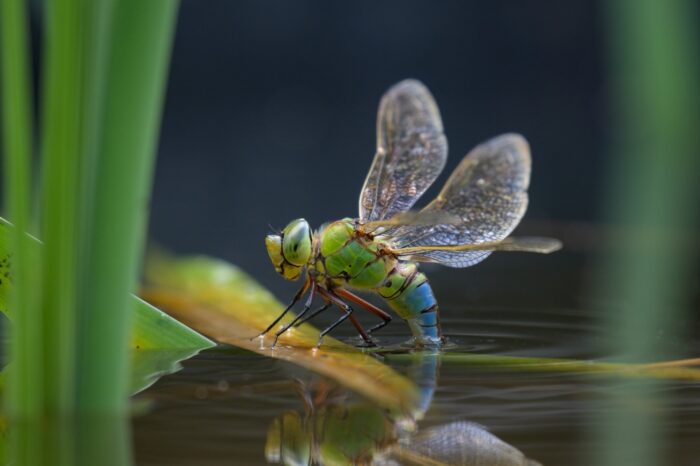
{"x":355,"y":261}
{"x":409,"y":294}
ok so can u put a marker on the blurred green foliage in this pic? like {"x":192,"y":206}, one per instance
{"x":652,"y":194}
{"x":104,"y":67}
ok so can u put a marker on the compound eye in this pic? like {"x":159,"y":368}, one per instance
{"x":296,"y":242}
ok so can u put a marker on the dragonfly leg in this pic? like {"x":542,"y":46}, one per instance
{"x":330,"y":295}
{"x":363,"y":333}
{"x":347,"y":311}
{"x":296,"y":298}
{"x":313,"y":314}
{"x":378,"y":326}
{"x":307,"y":306}
{"x":386,"y":318}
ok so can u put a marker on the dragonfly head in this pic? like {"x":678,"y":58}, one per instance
{"x":290,"y":251}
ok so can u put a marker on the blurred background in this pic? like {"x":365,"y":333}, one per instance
{"x":271,"y":107}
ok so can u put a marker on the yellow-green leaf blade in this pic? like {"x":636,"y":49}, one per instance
{"x":223,"y":303}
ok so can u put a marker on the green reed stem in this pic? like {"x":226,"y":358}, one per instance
{"x":104,"y":69}
{"x":65,"y":79}
{"x":138,"y":53}
{"x":17,"y":148}
{"x":61,"y":157}
{"x":655,"y":73}
{"x":25,"y":396}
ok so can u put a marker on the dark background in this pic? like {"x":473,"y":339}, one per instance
{"x":271,"y":105}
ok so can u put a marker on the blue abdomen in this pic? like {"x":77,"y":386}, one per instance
{"x":409,"y":294}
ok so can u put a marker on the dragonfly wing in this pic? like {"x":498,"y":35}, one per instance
{"x":512,"y":243}
{"x":487,"y":191}
{"x":411,"y":151}
{"x":456,"y":443}
{"x":411,"y":217}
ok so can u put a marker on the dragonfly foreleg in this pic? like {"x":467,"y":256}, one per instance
{"x":386,"y":318}
{"x":296,"y":298}
{"x":307,"y":306}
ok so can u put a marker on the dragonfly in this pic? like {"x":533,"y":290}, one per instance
{"x":379,"y":251}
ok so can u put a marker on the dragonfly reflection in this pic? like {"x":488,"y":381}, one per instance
{"x":333,"y":431}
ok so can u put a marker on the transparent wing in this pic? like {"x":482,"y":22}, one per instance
{"x":412,"y":217}
{"x":487,"y":191}
{"x":464,"y":443}
{"x":411,"y":151}
{"x":520,"y":244}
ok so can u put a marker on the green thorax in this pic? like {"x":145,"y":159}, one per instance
{"x":347,"y":256}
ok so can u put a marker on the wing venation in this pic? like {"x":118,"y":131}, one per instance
{"x":487,"y":191}
{"x":411,"y":151}
{"x":535,"y":244}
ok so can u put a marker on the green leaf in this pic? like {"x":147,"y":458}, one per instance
{"x":154,"y":329}
{"x":158,"y":344}
{"x":158,"y":341}
{"x":682,"y":369}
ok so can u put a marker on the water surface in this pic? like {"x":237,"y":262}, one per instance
{"x":220,"y":408}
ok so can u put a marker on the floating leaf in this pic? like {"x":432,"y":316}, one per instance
{"x":677,"y":370}
{"x":159,"y":343}
{"x":221,"y":301}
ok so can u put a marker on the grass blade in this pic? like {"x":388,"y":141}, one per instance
{"x":139,"y":50}
{"x":655,"y":74}
{"x":25,"y":396}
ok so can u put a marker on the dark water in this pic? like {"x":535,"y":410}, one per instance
{"x":220,"y":408}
